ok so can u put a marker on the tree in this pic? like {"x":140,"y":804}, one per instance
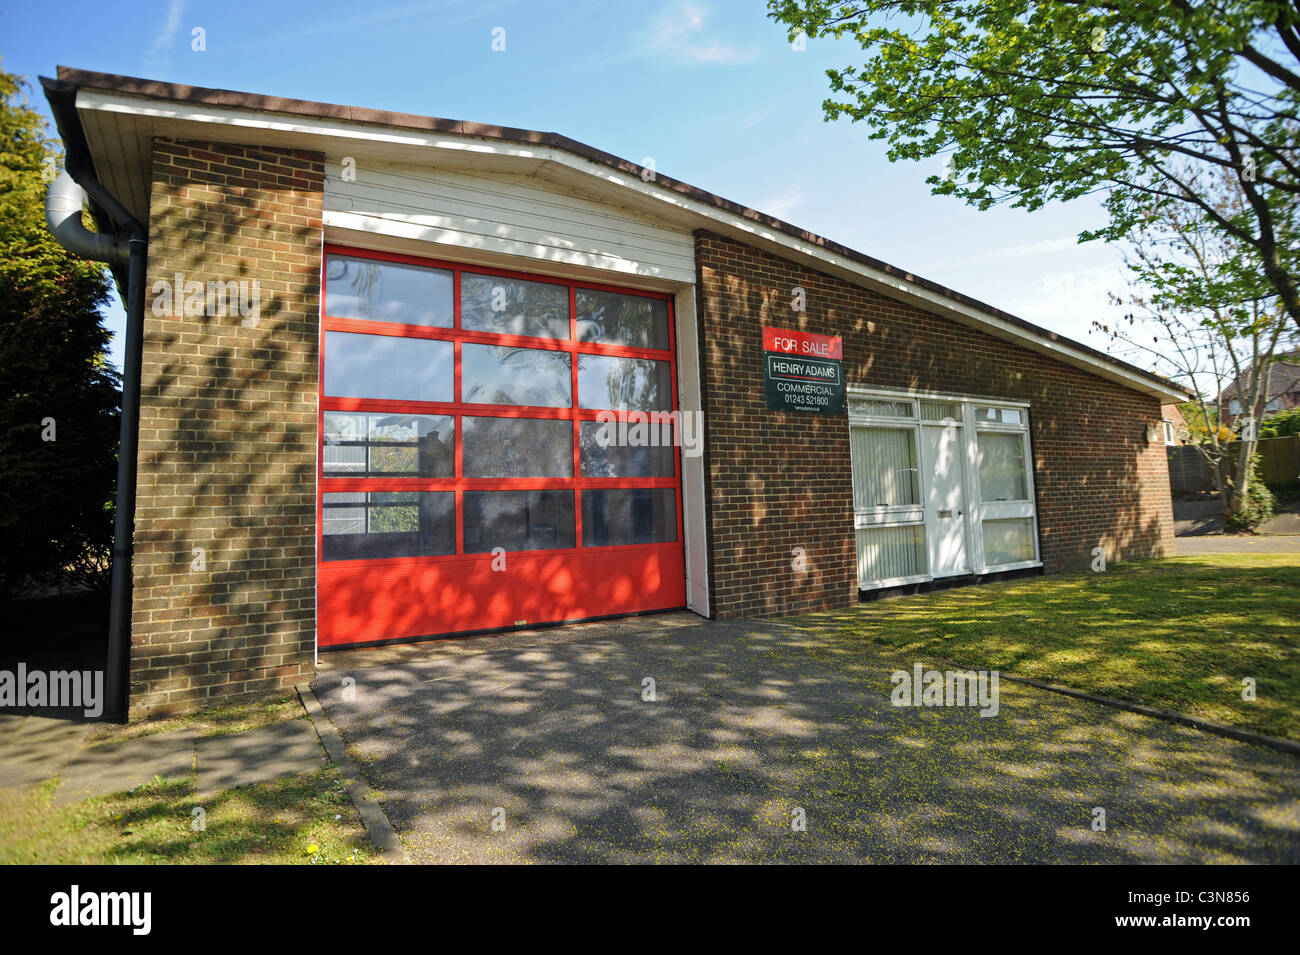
{"x":1040,"y":101}
{"x":59,"y":395}
{"x":1202,"y":420}
{"x":1281,"y":425}
{"x":1203,"y":318}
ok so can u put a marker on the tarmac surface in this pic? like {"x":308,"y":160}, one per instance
{"x":747,"y":748}
{"x":1238,"y":544}
{"x":36,"y":748}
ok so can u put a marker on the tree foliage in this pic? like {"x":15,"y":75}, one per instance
{"x":56,"y":382}
{"x":1040,"y":101}
{"x":1198,"y":317}
{"x":1281,"y":425}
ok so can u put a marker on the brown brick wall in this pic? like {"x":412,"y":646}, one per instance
{"x":778,"y":481}
{"x":227,"y":458}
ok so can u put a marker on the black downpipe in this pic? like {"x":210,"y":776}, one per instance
{"x":104,"y":205}
{"x":117,"y":677}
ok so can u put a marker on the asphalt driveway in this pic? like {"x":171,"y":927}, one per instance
{"x":1238,"y":544}
{"x":547,"y":749}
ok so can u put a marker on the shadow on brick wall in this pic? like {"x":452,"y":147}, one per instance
{"x":778,"y":481}
{"x":226,"y":510}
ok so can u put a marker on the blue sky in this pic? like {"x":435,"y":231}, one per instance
{"x":710,"y":89}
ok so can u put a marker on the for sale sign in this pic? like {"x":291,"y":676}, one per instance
{"x":803,"y":371}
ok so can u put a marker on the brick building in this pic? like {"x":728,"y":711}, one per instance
{"x":1282,"y":391}
{"x":406,"y":377}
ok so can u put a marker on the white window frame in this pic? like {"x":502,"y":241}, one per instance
{"x":976,"y":509}
{"x":897,"y":515}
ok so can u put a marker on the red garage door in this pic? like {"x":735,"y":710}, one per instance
{"x":497,"y":449}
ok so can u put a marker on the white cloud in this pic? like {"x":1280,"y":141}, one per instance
{"x":782,"y":204}
{"x":749,"y":120}
{"x":1067,"y":301}
{"x":159,"y":55}
{"x":1033,"y":248}
{"x":681,"y":32}
{"x":445,"y":14}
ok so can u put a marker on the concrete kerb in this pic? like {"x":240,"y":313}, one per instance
{"x":1242,"y":736}
{"x":378,"y":827}
{"x":1169,"y":716}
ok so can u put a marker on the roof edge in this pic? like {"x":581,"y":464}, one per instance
{"x":156,"y":89}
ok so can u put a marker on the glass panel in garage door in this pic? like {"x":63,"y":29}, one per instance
{"x":604,"y":456}
{"x":388,"y":445}
{"x":607,"y":381}
{"x":518,"y":520}
{"x":613,"y":319}
{"x":387,"y":367}
{"x":380,"y":524}
{"x":489,"y":303}
{"x":517,"y":447}
{"x":503,"y":375}
{"x":387,"y":292}
{"x":629,"y":516}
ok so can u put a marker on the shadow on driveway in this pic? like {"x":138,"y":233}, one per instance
{"x":554,"y":742}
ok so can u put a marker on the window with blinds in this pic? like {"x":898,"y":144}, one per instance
{"x":887,"y":499}
{"x":891,"y":553}
{"x":884,"y":467}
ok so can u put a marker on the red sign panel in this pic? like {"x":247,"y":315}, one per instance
{"x":805,"y":344}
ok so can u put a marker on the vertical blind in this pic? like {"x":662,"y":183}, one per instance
{"x":886,"y":553}
{"x":884,"y":467}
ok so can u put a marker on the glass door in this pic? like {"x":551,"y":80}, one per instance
{"x":941,"y":487}
{"x":945,"y":498}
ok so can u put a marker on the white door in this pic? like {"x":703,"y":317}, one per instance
{"x":945,"y":505}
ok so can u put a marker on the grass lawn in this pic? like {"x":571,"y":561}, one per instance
{"x":296,"y":820}
{"x":1178,"y":634}
{"x":305,"y":819}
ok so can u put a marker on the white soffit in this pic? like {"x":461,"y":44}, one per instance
{"x":137,"y":119}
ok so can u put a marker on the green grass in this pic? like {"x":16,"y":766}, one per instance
{"x":1178,"y":634}
{"x":216,"y":721}
{"x":305,"y":819}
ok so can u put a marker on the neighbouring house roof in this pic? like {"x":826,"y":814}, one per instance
{"x":113,"y":120}
{"x":1284,"y":378}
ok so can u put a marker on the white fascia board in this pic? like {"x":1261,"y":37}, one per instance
{"x":333,"y":135}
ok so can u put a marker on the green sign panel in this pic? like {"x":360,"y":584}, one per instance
{"x":800,"y":375}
